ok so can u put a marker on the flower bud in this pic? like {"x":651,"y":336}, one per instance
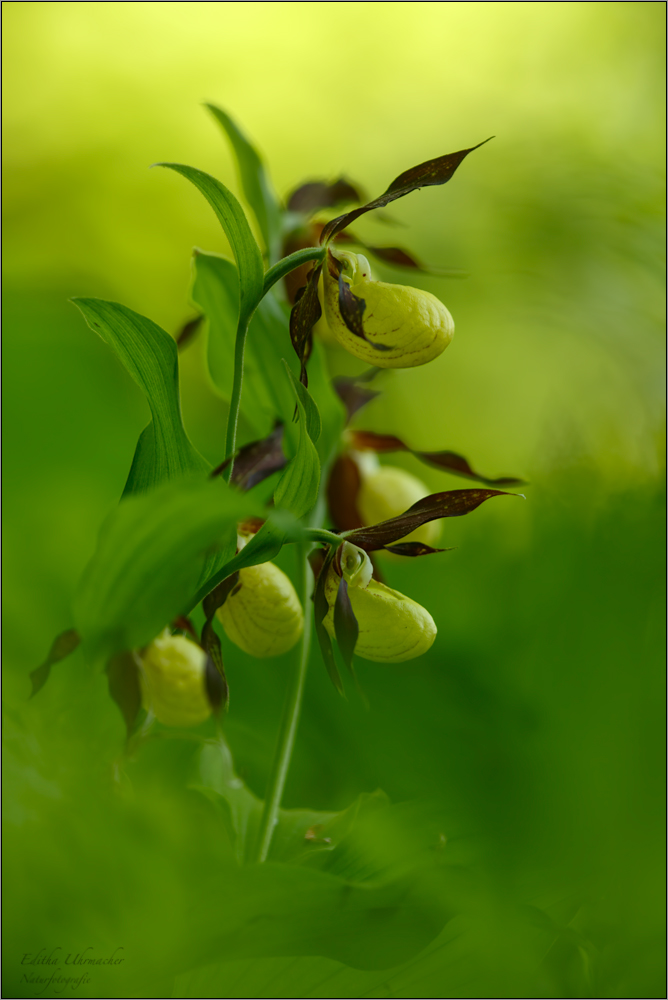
{"x":392,"y":628}
{"x":263,"y":615}
{"x":172,"y":678}
{"x":388,"y":491}
{"x":408,"y":325}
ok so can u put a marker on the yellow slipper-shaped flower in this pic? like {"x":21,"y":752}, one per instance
{"x":408,"y":326}
{"x":263,"y":615}
{"x":172,"y":679}
{"x":392,"y":627}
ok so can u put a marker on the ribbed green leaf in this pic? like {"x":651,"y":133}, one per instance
{"x":255,"y":183}
{"x":235,"y":225}
{"x":298,"y":489}
{"x":149,"y":561}
{"x":164,"y":451}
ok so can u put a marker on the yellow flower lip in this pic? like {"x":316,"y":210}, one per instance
{"x":397,"y":326}
{"x":172,"y":676}
{"x":387,"y":491}
{"x":392,"y":627}
{"x":263,"y":615}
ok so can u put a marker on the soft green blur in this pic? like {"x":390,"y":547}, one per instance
{"x":534,"y":726}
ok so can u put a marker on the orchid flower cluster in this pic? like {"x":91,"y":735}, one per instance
{"x":272,"y":315}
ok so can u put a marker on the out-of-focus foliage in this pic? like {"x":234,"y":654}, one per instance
{"x":526,"y":746}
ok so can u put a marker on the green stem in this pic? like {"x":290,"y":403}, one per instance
{"x":322,"y":535}
{"x":289,"y":721}
{"x":235,"y":398}
{"x":288,"y":264}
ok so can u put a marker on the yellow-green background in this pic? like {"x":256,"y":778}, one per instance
{"x":534,"y":721}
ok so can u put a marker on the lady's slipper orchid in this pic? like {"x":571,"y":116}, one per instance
{"x":172,"y":676}
{"x":392,"y":627}
{"x":263,"y":615}
{"x":389,"y":326}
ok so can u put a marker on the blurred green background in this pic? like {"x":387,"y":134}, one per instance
{"x":534,"y":727}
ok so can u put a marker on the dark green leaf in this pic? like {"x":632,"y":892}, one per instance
{"x":426,"y":174}
{"x":297,"y":490}
{"x":452,"y":503}
{"x":124,"y":687}
{"x":151,"y":555}
{"x":255,"y":183}
{"x":217,"y":690}
{"x":449,"y":461}
{"x":62,"y":646}
{"x":164,"y":451}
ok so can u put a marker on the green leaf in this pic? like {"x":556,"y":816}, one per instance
{"x":297,"y":490}
{"x":235,"y":225}
{"x":255,"y":183}
{"x":164,"y":451}
{"x":151,"y":555}
{"x":279,"y":529}
{"x":265,"y":397}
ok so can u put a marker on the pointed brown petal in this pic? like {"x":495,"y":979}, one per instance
{"x":353,"y":396}
{"x":432,"y":172}
{"x":343,"y":487}
{"x":318,"y":194}
{"x":62,"y":646}
{"x":320,"y":611}
{"x":305,"y":314}
{"x":452,"y":503}
{"x":458,"y":466}
{"x":370,"y":441}
{"x":413,"y":549}
{"x":211,"y":643}
{"x":183,"y":624}
{"x":124,"y":688}
{"x":217,"y":690}
{"x":352,"y":309}
{"x":345,"y":624}
{"x":449,"y":461}
{"x":188,"y":332}
{"x":256,"y":461}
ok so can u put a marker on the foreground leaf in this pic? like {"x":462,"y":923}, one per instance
{"x":164,"y":451}
{"x":150,"y":556}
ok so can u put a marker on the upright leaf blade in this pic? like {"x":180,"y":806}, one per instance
{"x":164,"y":451}
{"x":235,"y":225}
{"x":254,"y":181}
